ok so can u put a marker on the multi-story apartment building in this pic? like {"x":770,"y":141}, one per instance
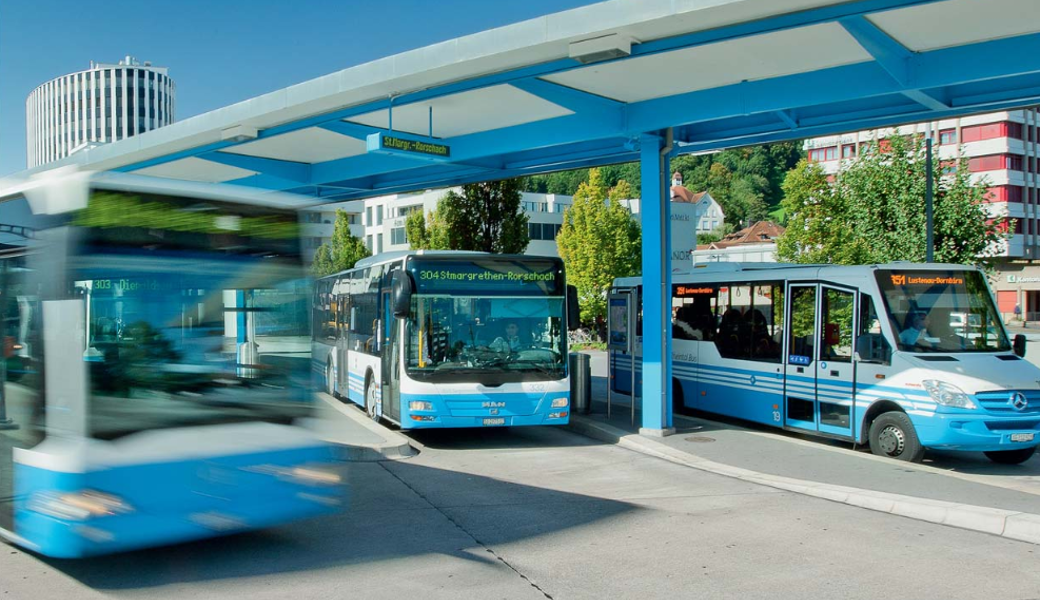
{"x":380,"y":221}
{"x":1002,"y":149}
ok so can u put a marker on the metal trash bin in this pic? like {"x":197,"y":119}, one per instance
{"x":581,"y":383}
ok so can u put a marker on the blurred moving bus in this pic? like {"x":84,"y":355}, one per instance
{"x":431,"y":339}
{"x":902,"y":357}
{"x":156,"y":360}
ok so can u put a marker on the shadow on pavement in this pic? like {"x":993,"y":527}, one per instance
{"x":397,"y":509}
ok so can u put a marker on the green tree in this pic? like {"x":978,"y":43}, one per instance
{"x":342,"y":252}
{"x":598,"y":242}
{"x":426,"y":232}
{"x":874,"y":212}
{"x":485,"y":216}
{"x":818,"y":230}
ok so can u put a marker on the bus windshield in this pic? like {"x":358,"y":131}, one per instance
{"x":942,"y":311}
{"x":486,"y":340}
{"x":164,"y":347}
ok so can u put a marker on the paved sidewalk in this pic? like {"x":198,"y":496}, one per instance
{"x":978,"y":496}
{"x":358,"y":437}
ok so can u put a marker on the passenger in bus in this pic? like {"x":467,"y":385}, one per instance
{"x":682,"y":325}
{"x":916,"y":331}
{"x":731,"y":332}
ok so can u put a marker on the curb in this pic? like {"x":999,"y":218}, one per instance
{"x":396,"y":446}
{"x":1023,"y":527}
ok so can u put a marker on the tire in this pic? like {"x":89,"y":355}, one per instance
{"x":678,"y":404}
{"x":892,"y":435}
{"x":1011,"y":457}
{"x":330,"y":385}
{"x":370,"y":400}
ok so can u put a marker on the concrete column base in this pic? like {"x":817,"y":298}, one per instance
{"x":656,"y":432}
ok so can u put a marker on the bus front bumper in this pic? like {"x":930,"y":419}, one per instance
{"x":978,"y":432}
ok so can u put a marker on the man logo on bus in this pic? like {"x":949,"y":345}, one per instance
{"x":1018,"y":401}
{"x":899,"y":280}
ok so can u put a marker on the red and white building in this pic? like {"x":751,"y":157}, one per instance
{"x":1004,"y":149}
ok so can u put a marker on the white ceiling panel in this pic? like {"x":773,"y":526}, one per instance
{"x":724,"y":63}
{"x":467,"y":112}
{"x":311,"y":145}
{"x":195,"y":169}
{"x":956,"y":22}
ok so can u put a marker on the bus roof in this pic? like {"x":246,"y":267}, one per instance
{"x":755,"y":268}
{"x":73,"y":183}
{"x":387,"y":257}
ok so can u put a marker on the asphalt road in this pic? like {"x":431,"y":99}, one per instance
{"x":545,"y":513}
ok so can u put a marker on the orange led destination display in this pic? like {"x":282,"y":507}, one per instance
{"x":685,"y":291}
{"x":904,"y":279}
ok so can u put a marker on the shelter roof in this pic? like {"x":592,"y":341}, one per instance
{"x":579,"y":88}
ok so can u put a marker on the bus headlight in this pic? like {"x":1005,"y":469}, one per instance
{"x":559,"y":403}
{"x":417,"y":405}
{"x":77,"y":506}
{"x":947,"y":394}
{"x":315,"y":475}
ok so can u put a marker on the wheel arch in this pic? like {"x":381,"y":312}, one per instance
{"x":876,"y":409}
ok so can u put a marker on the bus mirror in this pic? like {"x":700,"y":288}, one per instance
{"x":1020,"y":345}
{"x":573,"y":311}
{"x":402,"y":291}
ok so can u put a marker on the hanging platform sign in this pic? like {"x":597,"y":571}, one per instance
{"x":405,"y":145}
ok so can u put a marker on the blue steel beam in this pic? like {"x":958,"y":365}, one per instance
{"x":572,"y":99}
{"x":282,"y":169}
{"x":895,"y":58}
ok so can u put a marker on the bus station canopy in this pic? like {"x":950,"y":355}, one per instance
{"x":579,"y":88}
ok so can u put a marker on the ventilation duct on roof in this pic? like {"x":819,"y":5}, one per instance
{"x":602,"y":48}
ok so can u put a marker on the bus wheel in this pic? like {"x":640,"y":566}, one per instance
{"x":1011,"y":457}
{"x":892,"y":435}
{"x":330,"y":385}
{"x":370,"y":401}
{"x":678,"y":404}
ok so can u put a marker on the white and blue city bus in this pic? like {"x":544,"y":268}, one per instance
{"x":156,"y":366}
{"x":902,"y":357}
{"x":429,"y":339}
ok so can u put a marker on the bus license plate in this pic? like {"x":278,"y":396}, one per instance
{"x":495,"y":421}
{"x":1015,"y":437}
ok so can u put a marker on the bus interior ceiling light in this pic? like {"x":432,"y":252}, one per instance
{"x":607,"y":47}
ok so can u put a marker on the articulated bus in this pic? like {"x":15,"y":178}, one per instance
{"x":902,"y":357}
{"x":156,"y":365}
{"x":429,"y":339}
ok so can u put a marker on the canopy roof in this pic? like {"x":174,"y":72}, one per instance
{"x":545,"y":94}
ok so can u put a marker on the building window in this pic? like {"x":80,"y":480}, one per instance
{"x":398,"y":236}
{"x":947,"y":136}
{"x":848,"y":150}
{"x":368,"y":220}
{"x":379,"y":215}
{"x":379,"y":243}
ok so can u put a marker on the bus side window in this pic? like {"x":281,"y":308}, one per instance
{"x":871,"y":345}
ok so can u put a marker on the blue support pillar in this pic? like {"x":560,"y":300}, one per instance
{"x":657,"y":285}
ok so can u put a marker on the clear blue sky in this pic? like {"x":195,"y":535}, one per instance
{"x":223,"y":51}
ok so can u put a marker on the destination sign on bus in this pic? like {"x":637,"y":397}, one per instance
{"x":905,"y":279}
{"x":492,"y":277}
{"x":482,"y":276}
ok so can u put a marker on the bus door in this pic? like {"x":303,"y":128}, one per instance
{"x":390,"y":355}
{"x":819,"y":376}
{"x":21,"y":398}
{"x":341,"y":301}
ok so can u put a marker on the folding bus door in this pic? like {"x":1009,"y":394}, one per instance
{"x":819,"y":376}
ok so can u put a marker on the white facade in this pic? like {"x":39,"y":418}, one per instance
{"x":765,"y":252}
{"x":103,"y":104}
{"x":380,"y":222}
